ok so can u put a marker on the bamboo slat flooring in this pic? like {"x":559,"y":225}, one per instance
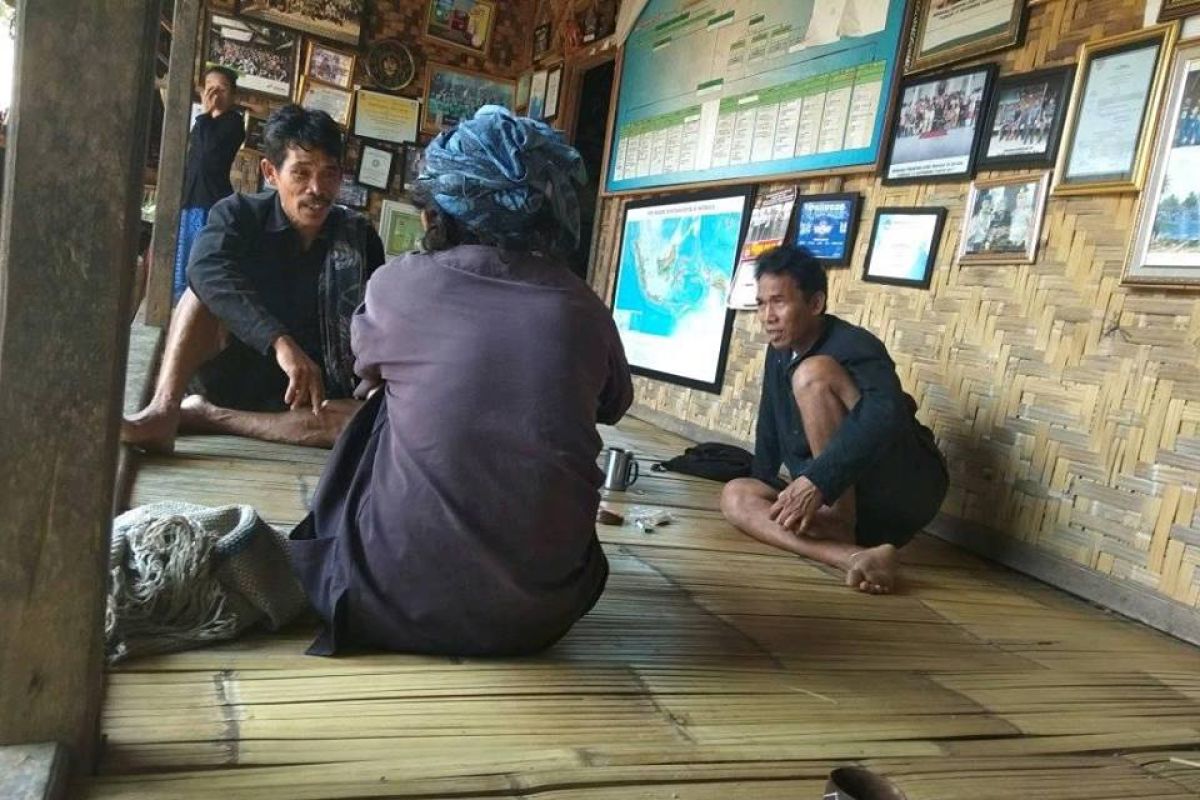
{"x":713,"y":667}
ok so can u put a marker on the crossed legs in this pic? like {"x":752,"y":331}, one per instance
{"x":824,"y":394}
{"x":195,"y":337}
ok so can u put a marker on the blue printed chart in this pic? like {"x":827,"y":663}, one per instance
{"x":728,"y":89}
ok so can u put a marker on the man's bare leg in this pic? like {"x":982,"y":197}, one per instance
{"x":195,"y":336}
{"x":300,"y":427}
{"x":747,"y":502}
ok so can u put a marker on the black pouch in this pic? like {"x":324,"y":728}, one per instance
{"x":713,"y":460}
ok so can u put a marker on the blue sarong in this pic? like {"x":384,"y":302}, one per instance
{"x":191,"y":220}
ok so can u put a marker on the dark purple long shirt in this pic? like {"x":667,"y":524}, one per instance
{"x":458,"y":514}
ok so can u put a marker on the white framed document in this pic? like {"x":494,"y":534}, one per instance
{"x":386,"y":117}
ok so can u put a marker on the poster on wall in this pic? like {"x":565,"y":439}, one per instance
{"x":732,"y":92}
{"x":768,"y":228}
{"x":675,"y":264}
{"x":826,"y":226}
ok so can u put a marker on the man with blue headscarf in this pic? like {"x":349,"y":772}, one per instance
{"x":457,"y":512}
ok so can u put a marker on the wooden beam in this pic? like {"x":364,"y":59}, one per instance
{"x":177,"y":117}
{"x":69,"y":222}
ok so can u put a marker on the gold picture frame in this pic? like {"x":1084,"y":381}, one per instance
{"x":1176,"y":148}
{"x":444,"y":21}
{"x":988,"y":239}
{"x":335,"y":102}
{"x":1005,"y":20}
{"x":466,"y":91}
{"x":1083,"y":105}
{"x":1177,"y":9}
{"x":329,"y":65}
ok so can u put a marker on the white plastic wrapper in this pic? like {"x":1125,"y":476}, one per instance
{"x":647,"y":519}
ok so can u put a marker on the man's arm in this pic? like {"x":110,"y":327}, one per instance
{"x":867,"y":430}
{"x":767,"y":456}
{"x":617,"y":395}
{"x":216,"y":275}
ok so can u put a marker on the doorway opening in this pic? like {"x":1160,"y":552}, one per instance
{"x":591,"y":128}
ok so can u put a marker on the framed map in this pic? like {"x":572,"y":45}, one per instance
{"x":718,"y":90}
{"x":675,"y":267}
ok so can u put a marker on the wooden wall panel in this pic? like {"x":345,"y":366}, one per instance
{"x":1068,"y":405}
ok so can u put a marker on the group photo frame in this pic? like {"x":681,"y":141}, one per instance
{"x":1003,"y":221}
{"x":937,"y":124}
{"x":263,"y":56}
{"x":1165,"y":247}
{"x":329,"y":65}
{"x":453,"y":94}
{"x":1113,"y":109}
{"x":1025,"y":119}
{"x":903,"y":245}
{"x":339,"y":21}
{"x":944,"y":33}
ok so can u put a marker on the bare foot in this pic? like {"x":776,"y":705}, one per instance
{"x":196,"y":414}
{"x":152,"y":429}
{"x":874,"y":570}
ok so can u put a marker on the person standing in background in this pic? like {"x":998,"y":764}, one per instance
{"x":216,"y":136}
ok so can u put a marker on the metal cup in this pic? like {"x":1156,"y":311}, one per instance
{"x":621,"y":469}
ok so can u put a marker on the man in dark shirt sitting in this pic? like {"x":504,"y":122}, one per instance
{"x":264,"y":329}
{"x":866,"y":476}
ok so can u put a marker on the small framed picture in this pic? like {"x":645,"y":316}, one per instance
{"x":827,"y":225}
{"x":522,"y":99}
{"x":1113,"y":110}
{"x":465,"y":24}
{"x":333,"y":101}
{"x":255,"y":127}
{"x":414,"y":161}
{"x":537,"y":94}
{"x":1004,"y":220}
{"x":400,"y":228}
{"x":375,"y":167}
{"x":947,"y":31}
{"x":903,"y":247}
{"x":352,"y":193}
{"x":541,"y":40}
{"x":1025,"y":119}
{"x":329,"y":65}
{"x":938,"y":121}
{"x":553,"y":87}
{"x":1165,"y":247}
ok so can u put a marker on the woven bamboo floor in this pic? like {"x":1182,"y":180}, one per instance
{"x":712,"y":668}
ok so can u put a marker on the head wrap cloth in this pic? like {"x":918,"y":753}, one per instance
{"x":495,"y":172}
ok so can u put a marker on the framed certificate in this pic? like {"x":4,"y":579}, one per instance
{"x":1165,"y":247}
{"x":400,"y":228}
{"x":333,"y":101}
{"x":386,"y":117}
{"x":947,"y":32}
{"x":375,"y":167}
{"x":553,"y":86}
{"x":904,"y":245}
{"x":1113,"y":109}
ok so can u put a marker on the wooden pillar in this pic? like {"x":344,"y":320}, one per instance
{"x":177,"y":117}
{"x":68,"y":234}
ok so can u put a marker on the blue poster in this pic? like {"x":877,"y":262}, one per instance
{"x":823,"y":226}
{"x":721,"y":89}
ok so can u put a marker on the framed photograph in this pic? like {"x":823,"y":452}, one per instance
{"x":400,"y":228}
{"x":328,"y":65}
{"x":453,"y":94}
{"x":522,"y":100}
{"x":466,"y":24}
{"x":390,"y":65}
{"x":597,"y":21}
{"x":1165,"y":247}
{"x":352,"y":193}
{"x":414,"y":161}
{"x":948,"y":31}
{"x":938,"y":122}
{"x":263,"y":56}
{"x":827,"y":225}
{"x":254,"y":132}
{"x":333,"y":101}
{"x":541,"y":40}
{"x":675,"y":264}
{"x":903,"y":247}
{"x":386,"y":117}
{"x":537,"y":95}
{"x":1004,"y":220}
{"x":769,"y":224}
{"x":375,"y":167}
{"x":1177,"y":9}
{"x":553,"y":88}
{"x":1025,"y":119}
{"x":340,"y":21}
{"x":1113,"y":109}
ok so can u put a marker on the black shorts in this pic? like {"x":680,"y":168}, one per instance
{"x":900,"y":493}
{"x":242,"y":378}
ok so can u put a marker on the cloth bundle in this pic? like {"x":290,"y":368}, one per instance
{"x":183,"y":576}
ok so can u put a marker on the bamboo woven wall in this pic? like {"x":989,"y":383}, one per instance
{"x":1068,"y":405}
